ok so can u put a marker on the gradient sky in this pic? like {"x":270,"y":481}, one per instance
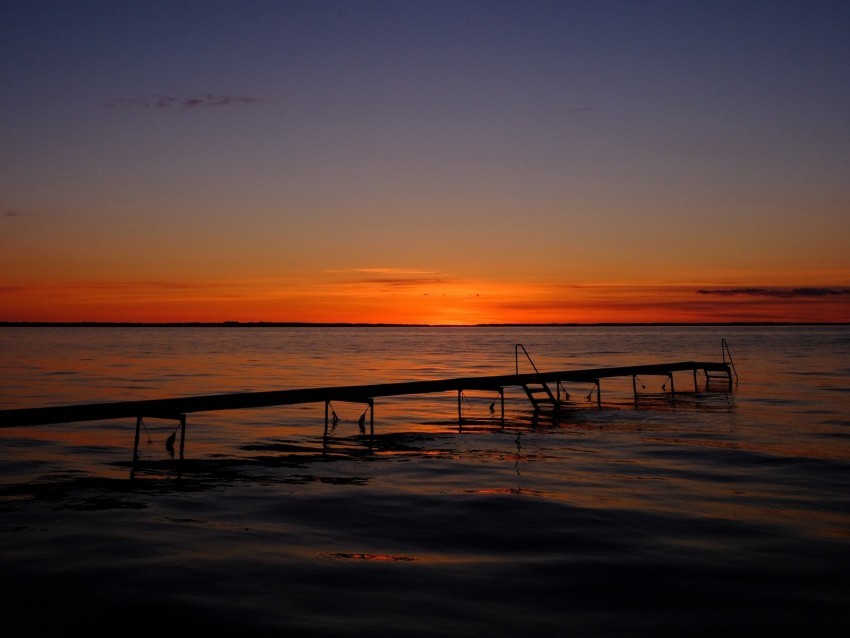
{"x":427,"y":162}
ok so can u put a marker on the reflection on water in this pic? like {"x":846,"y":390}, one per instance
{"x":645,"y":515}
{"x":378,"y":557}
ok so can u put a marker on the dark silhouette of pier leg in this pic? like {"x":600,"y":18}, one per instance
{"x":327,"y":403}
{"x":135,"y":448}
{"x":182,"y":434}
{"x":502,"y":401}
{"x":136,"y":442}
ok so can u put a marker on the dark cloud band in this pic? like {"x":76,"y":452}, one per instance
{"x":782,"y":293}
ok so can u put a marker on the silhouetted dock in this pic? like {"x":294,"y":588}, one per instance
{"x":174,"y":407}
{"x":537,"y":385}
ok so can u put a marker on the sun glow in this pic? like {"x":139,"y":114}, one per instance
{"x":384,"y":295}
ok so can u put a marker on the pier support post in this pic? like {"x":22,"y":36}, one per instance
{"x":460,"y":406}
{"x":598,"y":394}
{"x":327,"y":403}
{"x":502,"y":401}
{"x":372,"y":418}
{"x":696,"y":387}
{"x":182,"y":434}
{"x":672,"y":386}
{"x":634,"y":385}
{"x":136,"y":442}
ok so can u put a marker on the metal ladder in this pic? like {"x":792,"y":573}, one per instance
{"x":730,"y":367}
{"x":537,"y":392}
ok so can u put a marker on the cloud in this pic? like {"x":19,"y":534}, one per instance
{"x":387,"y":271}
{"x":170,"y":103}
{"x":10,"y":213}
{"x":780,"y":293}
{"x":405,"y":282}
{"x":392,"y":276}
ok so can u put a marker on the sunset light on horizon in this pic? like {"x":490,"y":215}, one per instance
{"x":446,"y":163}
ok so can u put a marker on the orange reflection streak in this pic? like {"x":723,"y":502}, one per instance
{"x":395,"y":296}
{"x":375,"y":557}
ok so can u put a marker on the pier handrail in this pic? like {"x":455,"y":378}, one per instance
{"x":724,"y":350}
{"x":527,"y":356}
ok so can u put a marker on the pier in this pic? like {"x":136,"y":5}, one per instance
{"x":537,"y":386}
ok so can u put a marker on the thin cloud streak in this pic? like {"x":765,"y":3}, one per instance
{"x":391,"y":277}
{"x":404,"y":282}
{"x":170,"y":103}
{"x":385,"y":271}
{"x":780,"y":293}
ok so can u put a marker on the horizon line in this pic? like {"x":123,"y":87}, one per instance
{"x":343,"y":324}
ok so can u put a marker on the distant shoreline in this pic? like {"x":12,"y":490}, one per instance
{"x":298,"y":324}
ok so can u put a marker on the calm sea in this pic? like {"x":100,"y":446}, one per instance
{"x":683,"y":515}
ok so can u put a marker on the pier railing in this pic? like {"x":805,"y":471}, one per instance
{"x":519,"y":347}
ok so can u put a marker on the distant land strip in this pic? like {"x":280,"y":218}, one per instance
{"x":299,"y":324}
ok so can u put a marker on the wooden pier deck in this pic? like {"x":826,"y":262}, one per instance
{"x":179,"y":407}
{"x":535,"y":385}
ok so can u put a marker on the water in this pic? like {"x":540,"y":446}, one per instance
{"x":702,"y":513}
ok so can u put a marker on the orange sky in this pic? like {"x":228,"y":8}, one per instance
{"x":432,"y":163}
{"x":420,"y":299}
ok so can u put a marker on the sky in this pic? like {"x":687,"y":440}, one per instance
{"x":432,"y":162}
